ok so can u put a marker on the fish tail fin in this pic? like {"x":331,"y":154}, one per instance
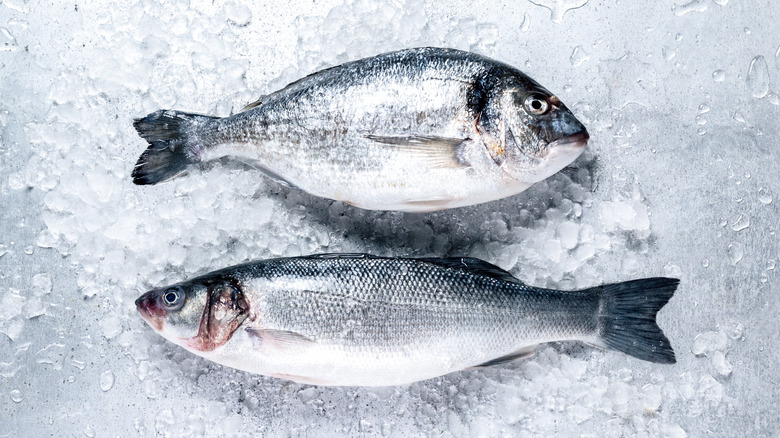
{"x":173,"y":145}
{"x":627,"y":313}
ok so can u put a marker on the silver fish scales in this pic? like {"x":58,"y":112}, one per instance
{"x":355,"y":319}
{"x":415,"y":130}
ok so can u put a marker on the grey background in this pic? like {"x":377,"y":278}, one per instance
{"x":680,"y":179}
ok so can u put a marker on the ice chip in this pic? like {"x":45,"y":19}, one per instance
{"x":722,"y":366}
{"x":52,"y":354}
{"x":16,"y":181}
{"x":7,"y":41}
{"x":106,"y":380}
{"x":710,"y":390}
{"x":111,"y":326}
{"x":692,"y":6}
{"x":42,"y":284}
{"x":708,"y":342}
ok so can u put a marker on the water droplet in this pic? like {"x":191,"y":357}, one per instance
{"x":747,"y":30}
{"x":701,"y":120}
{"x":705,"y":263}
{"x":567,"y":88}
{"x":558,"y":8}
{"x":578,"y":56}
{"x":704,"y":108}
{"x":692,"y":6}
{"x":777,"y":58}
{"x":16,"y":396}
{"x":718,"y":75}
{"x":773,"y":98}
{"x":735,"y":252}
{"x":29,"y":250}
{"x":701,"y":131}
{"x":89,"y":432}
{"x":741,"y":223}
{"x":106,"y":380}
{"x":678,"y":37}
{"x":764,"y":196}
{"x":758,"y":77}
{"x":668,"y":53}
{"x":526,"y":23}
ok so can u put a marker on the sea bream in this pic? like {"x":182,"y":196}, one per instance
{"x":361,"y":320}
{"x":414,"y":130}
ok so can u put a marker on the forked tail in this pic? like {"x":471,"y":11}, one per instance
{"x":173,"y":145}
{"x":627,"y":314}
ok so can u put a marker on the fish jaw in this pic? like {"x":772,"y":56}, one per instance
{"x":150,"y":311}
{"x":561,"y":153}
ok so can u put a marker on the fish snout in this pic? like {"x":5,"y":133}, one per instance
{"x":150,"y":311}
{"x":576,"y":140}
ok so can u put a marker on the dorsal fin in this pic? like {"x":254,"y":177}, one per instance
{"x":469,"y":264}
{"x":254,"y":104}
{"x":335,"y":255}
{"x":474,"y":265}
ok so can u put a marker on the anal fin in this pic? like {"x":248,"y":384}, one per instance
{"x":269,"y":173}
{"x":522,"y":353}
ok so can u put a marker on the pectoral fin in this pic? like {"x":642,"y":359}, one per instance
{"x":440,"y":152}
{"x":279,"y":339}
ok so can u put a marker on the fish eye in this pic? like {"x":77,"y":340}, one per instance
{"x":173,"y":297}
{"x":536,"y":104}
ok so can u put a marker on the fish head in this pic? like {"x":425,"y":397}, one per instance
{"x":198,"y":315}
{"x":528,"y":131}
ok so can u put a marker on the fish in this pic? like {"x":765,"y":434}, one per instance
{"x":364,"y":320}
{"x":415,"y":130}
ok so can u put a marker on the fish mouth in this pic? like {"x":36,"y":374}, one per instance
{"x":578,"y":140}
{"x":566,"y":148}
{"x":150,"y":311}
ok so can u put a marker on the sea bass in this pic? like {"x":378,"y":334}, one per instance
{"x":361,"y":320}
{"x":415,"y":130}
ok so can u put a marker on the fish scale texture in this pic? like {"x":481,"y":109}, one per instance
{"x":395,"y":303}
